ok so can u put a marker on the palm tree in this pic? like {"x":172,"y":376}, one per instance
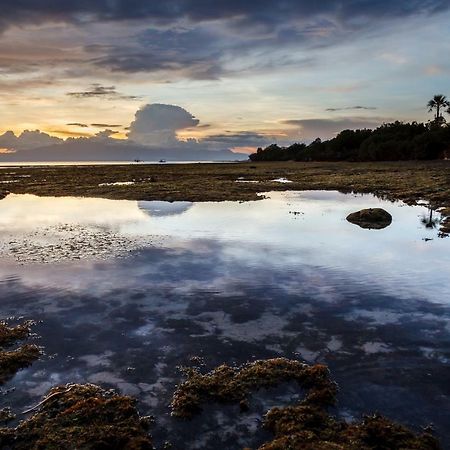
{"x":438,"y":102}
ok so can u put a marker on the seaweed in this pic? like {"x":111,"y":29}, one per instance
{"x":305,"y":425}
{"x":227,"y":384}
{"x":81,"y":416}
{"x":11,"y":361}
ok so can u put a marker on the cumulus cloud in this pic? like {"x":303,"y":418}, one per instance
{"x":157,"y":124}
{"x":27,"y":140}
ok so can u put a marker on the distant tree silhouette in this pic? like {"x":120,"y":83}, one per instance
{"x":438,"y":103}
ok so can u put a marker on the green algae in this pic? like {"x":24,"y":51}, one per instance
{"x":81,"y":417}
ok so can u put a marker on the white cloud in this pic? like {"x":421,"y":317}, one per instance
{"x":157,"y":124}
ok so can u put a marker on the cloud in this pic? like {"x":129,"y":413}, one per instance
{"x":242,"y":139}
{"x":152,"y":134}
{"x":98,"y":91}
{"x":310,"y":129}
{"x":157,"y":124}
{"x":349,"y":108}
{"x":77,"y":124}
{"x":27,"y":140}
{"x":194,"y":39}
{"x":191,"y":53}
{"x":105,"y":125}
{"x":252,"y":12}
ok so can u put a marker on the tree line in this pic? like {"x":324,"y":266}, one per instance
{"x":389,"y":142}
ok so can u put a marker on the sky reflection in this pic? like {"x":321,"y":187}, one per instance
{"x":231,"y":282}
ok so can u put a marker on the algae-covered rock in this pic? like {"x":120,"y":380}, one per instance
{"x":14,"y":360}
{"x":227,"y":384}
{"x":81,"y":417}
{"x":371,"y":218}
{"x":311,"y":428}
{"x":306,"y":425}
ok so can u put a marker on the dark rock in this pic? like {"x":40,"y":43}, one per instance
{"x":371,"y":218}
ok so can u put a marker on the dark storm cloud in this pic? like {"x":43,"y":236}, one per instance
{"x":194,"y":53}
{"x":99,"y":91}
{"x":252,"y":12}
{"x":195,"y":38}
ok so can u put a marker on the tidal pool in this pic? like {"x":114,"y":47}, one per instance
{"x":124,"y":292}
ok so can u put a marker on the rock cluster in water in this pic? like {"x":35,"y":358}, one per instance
{"x":371,"y":218}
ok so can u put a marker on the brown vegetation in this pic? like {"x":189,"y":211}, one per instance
{"x":306,"y":425}
{"x":81,"y":416}
{"x":13,"y":360}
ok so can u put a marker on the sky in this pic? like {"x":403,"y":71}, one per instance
{"x":196,"y":74}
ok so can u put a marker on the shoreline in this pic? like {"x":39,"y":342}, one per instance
{"x":409,"y":182}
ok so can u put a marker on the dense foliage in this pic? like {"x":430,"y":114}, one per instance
{"x":389,"y":142}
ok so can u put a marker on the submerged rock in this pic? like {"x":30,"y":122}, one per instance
{"x":371,"y":218}
{"x":81,"y":416}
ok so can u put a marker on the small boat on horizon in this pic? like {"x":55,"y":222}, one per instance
{"x":162,"y":160}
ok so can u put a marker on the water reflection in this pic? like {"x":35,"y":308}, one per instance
{"x":285,"y":276}
{"x":429,"y":221}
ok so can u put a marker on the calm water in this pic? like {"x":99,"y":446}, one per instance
{"x":125,"y":292}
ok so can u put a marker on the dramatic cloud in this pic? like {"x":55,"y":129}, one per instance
{"x":157,"y":124}
{"x":251,"y":12}
{"x":27,"y":140}
{"x":201,"y":40}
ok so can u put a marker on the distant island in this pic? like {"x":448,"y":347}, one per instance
{"x":395,"y":141}
{"x":115,"y":150}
